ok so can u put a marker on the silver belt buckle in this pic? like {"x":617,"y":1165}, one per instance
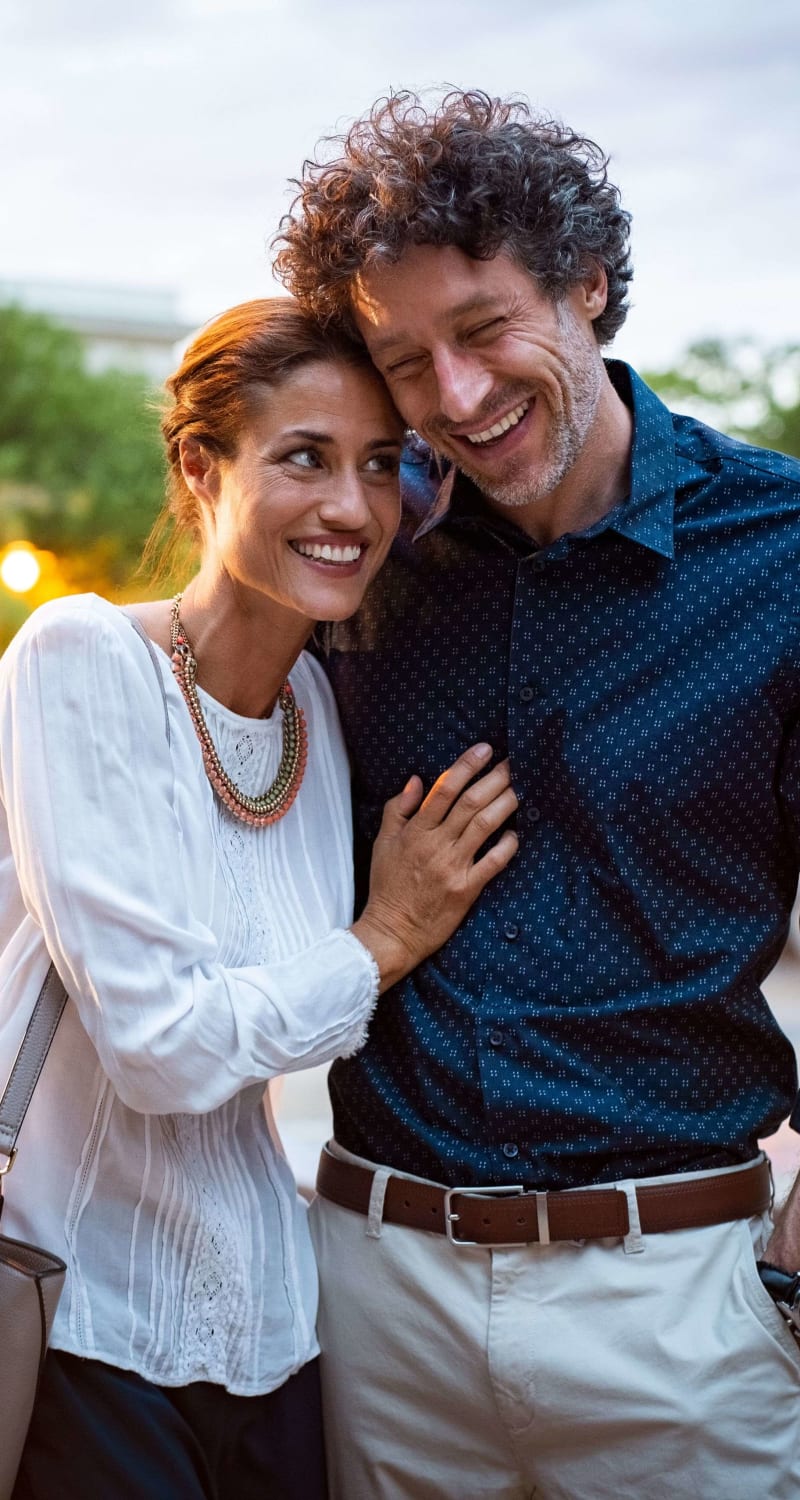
{"x":451,"y":1218}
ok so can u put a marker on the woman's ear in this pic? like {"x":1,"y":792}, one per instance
{"x":200,"y":469}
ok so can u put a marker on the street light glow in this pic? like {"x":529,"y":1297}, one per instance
{"x":20,"y":570}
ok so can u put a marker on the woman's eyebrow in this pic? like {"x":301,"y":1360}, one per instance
{"x":305,"y":435}
{"x":308,"y":436}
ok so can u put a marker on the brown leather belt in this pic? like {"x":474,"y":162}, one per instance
{"x":511,"y":1216}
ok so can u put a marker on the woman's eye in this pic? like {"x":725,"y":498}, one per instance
{"x":383,"y":463}
{"x":304,"y":458}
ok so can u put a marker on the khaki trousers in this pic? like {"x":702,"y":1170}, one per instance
{"x":601,"y":1371}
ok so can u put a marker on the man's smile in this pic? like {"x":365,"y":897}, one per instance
{"x":501,"y":426}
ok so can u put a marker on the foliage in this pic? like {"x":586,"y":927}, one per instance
{"x":750,"y":392}
{"x":81,"y":471}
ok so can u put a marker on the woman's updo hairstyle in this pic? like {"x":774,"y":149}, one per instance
{"x":211,"y":397}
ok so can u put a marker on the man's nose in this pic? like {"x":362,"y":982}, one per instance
{"x":463,"y":382}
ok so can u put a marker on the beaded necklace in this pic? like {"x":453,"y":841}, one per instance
{"x":273,"y":803}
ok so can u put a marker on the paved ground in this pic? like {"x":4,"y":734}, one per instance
{"x":301,"y":1101}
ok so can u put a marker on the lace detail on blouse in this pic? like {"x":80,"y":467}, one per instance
{"x":252,"y":758}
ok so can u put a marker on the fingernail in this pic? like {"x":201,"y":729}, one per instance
{"x":483,"y":751}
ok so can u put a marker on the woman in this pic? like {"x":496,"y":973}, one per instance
{"x":191,"y":880}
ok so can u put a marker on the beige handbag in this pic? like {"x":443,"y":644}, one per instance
{"x":31,"y":1280}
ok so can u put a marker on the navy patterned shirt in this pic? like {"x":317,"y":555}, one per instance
{"x":598,"y":1014}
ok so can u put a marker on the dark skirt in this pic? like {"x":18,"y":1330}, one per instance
{"x":106,"y":1433}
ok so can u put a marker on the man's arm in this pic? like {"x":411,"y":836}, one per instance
{"x":783,"y":1249}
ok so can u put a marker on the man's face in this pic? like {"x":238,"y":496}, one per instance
{"x":491,"y":372}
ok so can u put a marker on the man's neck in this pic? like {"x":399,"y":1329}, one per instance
{"x":597,"y":482}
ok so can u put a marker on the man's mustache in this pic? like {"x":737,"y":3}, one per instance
{"x":485,"y":416}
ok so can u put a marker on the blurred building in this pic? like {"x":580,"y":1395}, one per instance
{"x":124,"y":328}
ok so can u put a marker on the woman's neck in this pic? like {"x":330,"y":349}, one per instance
{"x":245,"y":645}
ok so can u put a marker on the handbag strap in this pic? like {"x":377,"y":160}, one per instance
{"x":30,"y":1060}
{"x":48,"y":1008}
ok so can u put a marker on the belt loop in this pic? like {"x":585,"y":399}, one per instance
{"x":377,"y":1195}
{"x":633,"y":1242}
{"x":542,"y":1219}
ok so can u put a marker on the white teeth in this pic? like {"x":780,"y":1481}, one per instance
{"x":326,"y":553}
{"x":500,"y":427}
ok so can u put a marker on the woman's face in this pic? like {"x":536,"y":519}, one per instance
{"x":306,"y":511}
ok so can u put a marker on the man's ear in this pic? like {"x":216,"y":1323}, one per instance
{"x":200,"y":469}
{"x":593,"y":291}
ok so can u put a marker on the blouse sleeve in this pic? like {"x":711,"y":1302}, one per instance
{"x":86,"y":782}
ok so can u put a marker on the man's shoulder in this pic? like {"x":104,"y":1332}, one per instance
{"x":708,"y":447}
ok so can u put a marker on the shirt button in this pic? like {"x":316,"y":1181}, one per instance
{"x":510,"y":1150}
{"x":496,"y":1039}
{"x":511,"y":931}
{"x":538,"y":565}
{"x":532,"y":814}
{"x":527,"y":693}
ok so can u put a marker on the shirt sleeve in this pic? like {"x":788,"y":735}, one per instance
{"x":86,"y":779}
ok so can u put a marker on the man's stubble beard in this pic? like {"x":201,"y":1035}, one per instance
{"x":569,"y":428}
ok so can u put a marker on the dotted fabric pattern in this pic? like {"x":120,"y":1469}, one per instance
{"x":598,"y":1014}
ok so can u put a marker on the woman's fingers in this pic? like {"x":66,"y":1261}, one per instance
{"x":486,"y":821}
{"x":425,"y":875}
{"x":491,"y":863}
{"x":398,"y":809}
{"x":478,"y":796}
{"x":451,"y":784}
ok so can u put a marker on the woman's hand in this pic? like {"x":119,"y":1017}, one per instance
{"x":425,"y":875}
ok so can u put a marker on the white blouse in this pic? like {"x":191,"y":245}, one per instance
{"x":203,"y":957}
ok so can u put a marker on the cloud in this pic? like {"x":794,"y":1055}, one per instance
{"x":154,"y":143}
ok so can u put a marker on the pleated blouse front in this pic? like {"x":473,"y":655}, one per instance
{"x":202,"y":957}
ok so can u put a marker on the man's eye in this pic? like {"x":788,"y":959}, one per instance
{"x":402,"y":367}
{"x":305,"y":458}
{"x":492,"y":326}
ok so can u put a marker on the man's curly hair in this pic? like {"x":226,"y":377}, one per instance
{"x":479,"y":173}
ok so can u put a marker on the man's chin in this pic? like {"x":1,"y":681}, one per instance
{"x":512,"y":491}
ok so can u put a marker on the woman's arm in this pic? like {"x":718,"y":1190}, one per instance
{"x":86,"y":779}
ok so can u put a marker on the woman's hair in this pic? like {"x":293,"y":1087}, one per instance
{"x":211,"y":398}
{"x":478,"y":173}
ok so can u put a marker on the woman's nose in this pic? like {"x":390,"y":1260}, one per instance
{"x":347,"y":503}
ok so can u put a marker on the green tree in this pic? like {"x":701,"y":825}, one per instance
{"x":750,"y":392}
{"x":81,"y":471}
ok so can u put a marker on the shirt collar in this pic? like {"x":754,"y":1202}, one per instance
{"x":647,"y":516}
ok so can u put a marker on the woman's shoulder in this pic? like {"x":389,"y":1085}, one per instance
{"x":72,"y":618}
{"x":80,"y":643}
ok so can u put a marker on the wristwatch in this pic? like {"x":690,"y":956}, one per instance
{"x":784,"y":1289}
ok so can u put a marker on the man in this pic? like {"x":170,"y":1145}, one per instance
{"x":607,"y":593}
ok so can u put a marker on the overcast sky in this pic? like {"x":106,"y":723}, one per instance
{"x":149,"y":143}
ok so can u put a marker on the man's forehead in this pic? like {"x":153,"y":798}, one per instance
{"x":431,"y":282}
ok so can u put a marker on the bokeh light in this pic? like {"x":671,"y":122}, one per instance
{"x":20,"y":569}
